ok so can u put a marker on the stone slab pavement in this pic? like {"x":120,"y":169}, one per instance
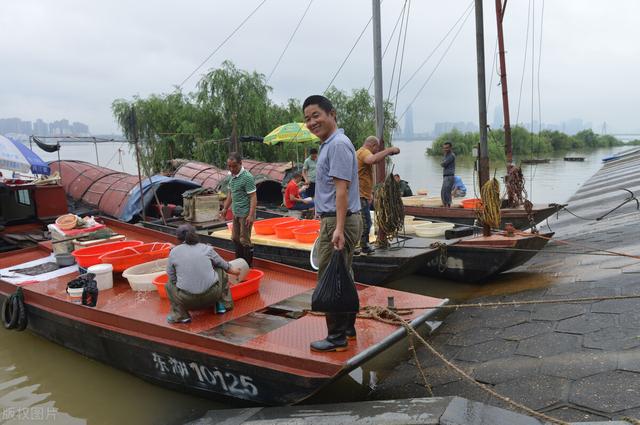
{"x":575,"y":362}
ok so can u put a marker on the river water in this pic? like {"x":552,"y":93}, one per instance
{"x":45,"y":383}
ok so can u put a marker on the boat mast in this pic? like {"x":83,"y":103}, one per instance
{"x":483,"y":169}
{"x":377,"y":81}
{"x":500,"y":8}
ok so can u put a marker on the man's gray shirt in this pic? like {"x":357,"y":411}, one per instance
{"x":449,"y":165}
{"x":190,"y":267}
{"x":337,"y":158}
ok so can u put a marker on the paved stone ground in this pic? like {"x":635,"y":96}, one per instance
{"x":576,"y":362}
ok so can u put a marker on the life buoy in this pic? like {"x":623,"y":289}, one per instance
{"x":14,"y":312}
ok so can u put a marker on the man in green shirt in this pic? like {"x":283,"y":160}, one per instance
{"x":309,"y":172}
{"x":243,"y":201}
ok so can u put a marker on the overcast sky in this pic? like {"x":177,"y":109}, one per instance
{"x":71,"y":59}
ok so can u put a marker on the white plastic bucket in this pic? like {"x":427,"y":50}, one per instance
{"x":104,"y":275}
{"x":244,"y":270}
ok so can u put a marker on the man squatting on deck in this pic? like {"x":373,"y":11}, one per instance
{"x":338,"y":204}
{"x":197,"y":277}
{"x":243,"y":200}
{"x":368,"y":155}
{"x":448,"y":165}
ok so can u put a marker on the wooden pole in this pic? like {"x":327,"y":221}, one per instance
{"x":508,"y":150}
{"x":95,"y":145}
{"x":380,"y":170}
{"x":133,"y":127}
{"x":234,"y":134}
{"x":483,"y":169}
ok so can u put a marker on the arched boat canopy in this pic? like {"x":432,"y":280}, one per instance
{"x":115,"y":193}
{"x":269,"y":177}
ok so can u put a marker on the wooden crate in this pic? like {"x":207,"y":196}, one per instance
{"x":206,"y":208}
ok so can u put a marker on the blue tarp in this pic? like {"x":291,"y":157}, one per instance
{"x":38,"y":166}
{"x":15,"y":156}
{"x":132,"y":208}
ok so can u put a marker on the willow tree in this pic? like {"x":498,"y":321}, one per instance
{"x":356,"y":114}
{"x":198,"y":125}
{"x":165,"y":125}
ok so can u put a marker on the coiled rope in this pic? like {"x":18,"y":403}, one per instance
{"x":389,"y":210}
{"x":489,"y":212}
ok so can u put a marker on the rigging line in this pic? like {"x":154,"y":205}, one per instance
{"x":290,"y":39}
{"x":221,"y":44}
{"x":493,"y":68}
{"x":404,"y":43}
{"x":524,"y":62}
{"x":533,"y":61}
{"x":438,"y":45}
{"x":437,"y":64}
{"x":384,"y":52}
{"x":348,"y":54}
{"x":538,"y":78}
{"x":395,"y":59}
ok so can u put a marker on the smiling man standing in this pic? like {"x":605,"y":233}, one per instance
{"x":337,"y":202}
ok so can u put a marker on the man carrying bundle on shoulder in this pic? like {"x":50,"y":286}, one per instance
{"x":368,"y":155}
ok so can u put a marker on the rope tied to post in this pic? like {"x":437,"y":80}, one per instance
{"x":489,"y":212}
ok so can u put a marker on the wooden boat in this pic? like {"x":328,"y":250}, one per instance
{"x":518,"y":217}
{"x":536,"y":161}
{"x":258,"y":352}
{"x":26,"y":209}
{"x":376,"y":269}
{"x":102,"y":191}
{"x":574,"y":158}
{"x":480,"y":258}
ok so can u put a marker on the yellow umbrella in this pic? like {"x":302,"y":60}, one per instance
{"x":294,"y":132}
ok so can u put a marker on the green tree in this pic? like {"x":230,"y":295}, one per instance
{"x":197,"y":125}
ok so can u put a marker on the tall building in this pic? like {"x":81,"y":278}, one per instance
{"x":40,"y":128}
{"x":498,"y":118}
{"x":80,"y":129}
{"x":408,"y":123}
{"x":16,"y":126}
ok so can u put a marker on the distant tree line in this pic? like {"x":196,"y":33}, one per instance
{"x":525,"y":144}
{"x":197,"y":125}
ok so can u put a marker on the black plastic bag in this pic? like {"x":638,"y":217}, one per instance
{"x":336,"y":292}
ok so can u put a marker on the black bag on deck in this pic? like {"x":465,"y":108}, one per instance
{"x":336,"y":291}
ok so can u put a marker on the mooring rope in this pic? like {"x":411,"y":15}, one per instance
{"x":386,"y":315}
{"x":489,"y":212}
{"x":592,"y":248}
{"x":389,"y":210}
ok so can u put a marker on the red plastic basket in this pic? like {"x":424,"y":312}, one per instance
{"x":472,"y":203}
{"x":265,"y":227}
{"x":249,"y":286}
{"x":306,"y":234}
{"x":90,"y":256}
{"x":160,"y":282}
{"x":285,"y":230}
{"x":129,"y":257}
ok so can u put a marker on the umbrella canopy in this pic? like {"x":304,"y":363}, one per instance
{"x":15,"y":156}
{"x":294,"y":132}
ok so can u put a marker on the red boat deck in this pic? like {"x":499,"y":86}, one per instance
{"x":256,"y":331}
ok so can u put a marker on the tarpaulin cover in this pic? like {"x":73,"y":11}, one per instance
{"x":17,"y":157}
{"x":132,"y":205}
{"x":111,"y":191}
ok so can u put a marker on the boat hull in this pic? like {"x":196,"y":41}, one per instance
{"x":258,"y":352}
{"x":172,"y":367}
{"x":518,"y":217}
{"x":478,"y":263}
{"x":378,"y":269}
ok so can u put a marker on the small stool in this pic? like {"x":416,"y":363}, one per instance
{"x":295,"y":213}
